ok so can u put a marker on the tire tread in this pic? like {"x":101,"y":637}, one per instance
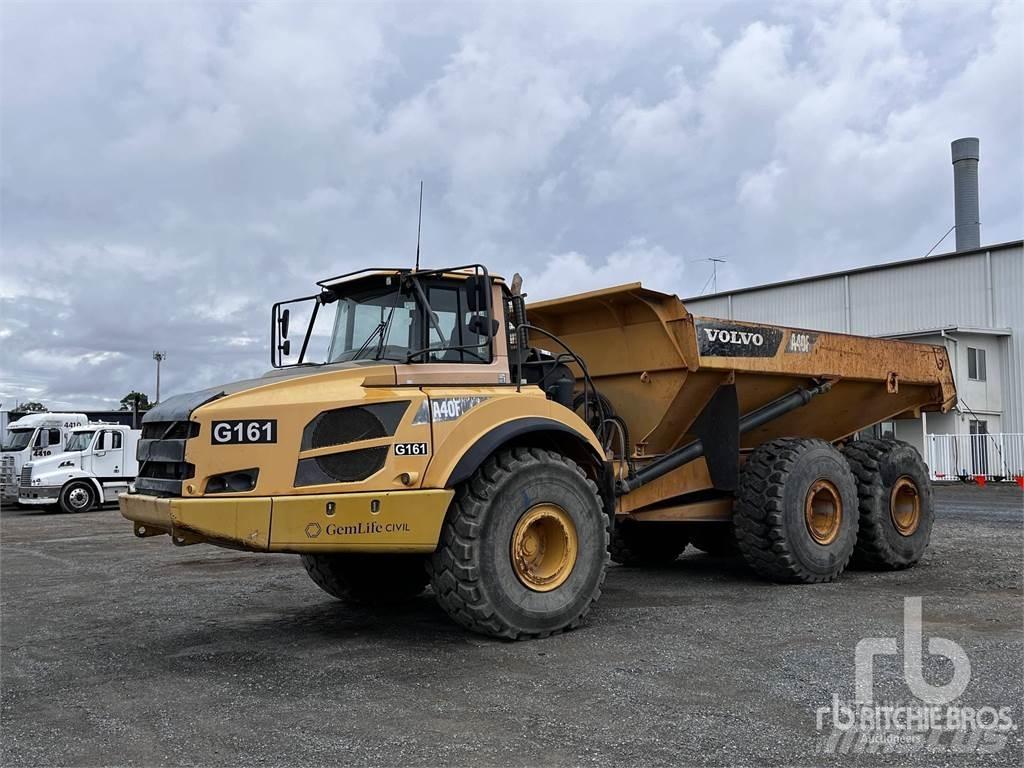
{"x":455,"y":578}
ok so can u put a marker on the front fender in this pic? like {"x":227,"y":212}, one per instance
{"x":462,"y":445}
{"x":63,"y":477}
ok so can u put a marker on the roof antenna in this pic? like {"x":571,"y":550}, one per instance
{"x":419,"y":225}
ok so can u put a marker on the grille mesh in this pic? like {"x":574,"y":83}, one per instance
{"x":169,"y":430}
{"x":344,"y":467}
{"x":348,"y":425}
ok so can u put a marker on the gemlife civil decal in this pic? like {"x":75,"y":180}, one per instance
{"x":716,"y":338}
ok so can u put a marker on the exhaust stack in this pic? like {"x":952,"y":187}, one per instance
{"x":965,"y":193}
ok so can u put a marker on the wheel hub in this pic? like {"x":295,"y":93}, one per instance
{"x":544,"y":547}
{"x":823,"y":512}
{"x":78,"y":497}
{"x":905,"y":506}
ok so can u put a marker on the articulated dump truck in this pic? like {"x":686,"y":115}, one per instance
{"x":453,"y":436}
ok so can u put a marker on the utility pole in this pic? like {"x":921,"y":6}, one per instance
{"x":159,"y":357}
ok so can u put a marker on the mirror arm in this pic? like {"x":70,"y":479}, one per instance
{"x":309,"y":330}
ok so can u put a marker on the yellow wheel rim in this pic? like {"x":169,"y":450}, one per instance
{"x":544,"y":547}
{"x":823,"y":512}
{"x":905,"y":506}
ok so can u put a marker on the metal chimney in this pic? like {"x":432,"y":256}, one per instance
{"x":965,"y":193}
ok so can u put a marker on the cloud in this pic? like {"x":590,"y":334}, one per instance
{"x":572,"y":272}
{"x":168,"y":171}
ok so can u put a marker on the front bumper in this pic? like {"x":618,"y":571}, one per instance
{"x":393,"y":521}
{"x":38,"y":494}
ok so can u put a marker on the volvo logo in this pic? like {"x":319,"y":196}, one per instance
{"x":734,"y":337}
{"x":725,"y":339}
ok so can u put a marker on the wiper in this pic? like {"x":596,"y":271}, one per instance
{"x":386,"y":331}
{"x":359,"y":352}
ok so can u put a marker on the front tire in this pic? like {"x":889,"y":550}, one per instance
{"x":77,"y":496}
{"x":367,"y":578}
{"x":796,"y":511}
{"x":524,"y":549}
{"x":896,"y":509}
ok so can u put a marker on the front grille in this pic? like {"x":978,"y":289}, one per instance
{"x":7,"y":470}
{"x":169,"y":470}
{"x":161,"y":455}
{"x":26,"y":475}
{"x":169,"y":430}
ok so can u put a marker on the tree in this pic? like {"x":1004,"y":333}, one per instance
{"x":133,"y":397}
{"x":31,"y":407}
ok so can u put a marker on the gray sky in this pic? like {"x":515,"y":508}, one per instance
{"x":169,"y":170}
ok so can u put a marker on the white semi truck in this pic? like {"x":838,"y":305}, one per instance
{"x":33,"y":436}
{"x":98,"y":464}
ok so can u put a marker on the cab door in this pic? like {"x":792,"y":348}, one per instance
{"x":47,"y":442}
{"x":108,"y":454}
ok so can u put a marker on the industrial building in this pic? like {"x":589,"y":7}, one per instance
{"x":970,"y":301}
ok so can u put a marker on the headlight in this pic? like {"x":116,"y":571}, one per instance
{"x":238,"y":481}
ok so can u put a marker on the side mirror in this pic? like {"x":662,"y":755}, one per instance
{"x":285,"y":347}
{"x":283,"y":323}
{"x":476,"y":293}
{"x":478,"y":324}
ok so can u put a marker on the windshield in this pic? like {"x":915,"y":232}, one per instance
{"x":379,"y":319}
{"x":18,"y":439}
{"x":79,"y":441}
{"x":373,"y":324}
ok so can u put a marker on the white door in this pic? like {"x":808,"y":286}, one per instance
{"x":108,"y":454}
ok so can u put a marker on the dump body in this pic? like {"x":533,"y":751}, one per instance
{"x":660,"y":366}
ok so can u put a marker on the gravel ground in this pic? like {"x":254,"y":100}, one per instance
{"x":121,"y":651}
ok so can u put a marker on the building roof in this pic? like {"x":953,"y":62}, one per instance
{"x":951,"y":329}
{"x":856,"y":270}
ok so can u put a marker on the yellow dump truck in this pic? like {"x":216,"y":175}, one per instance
{"x":452,"y":435}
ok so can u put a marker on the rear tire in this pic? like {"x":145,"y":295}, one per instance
{"x":637,"y":545}
{"x":896,"y":510}
{"x":368,"y":578}
{"x":796,"y":511}
{"x":524,"y":549}
{"x":77,"y":496}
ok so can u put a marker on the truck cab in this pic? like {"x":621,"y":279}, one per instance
{"x":98,"y":464}
{"x":34,"y":436}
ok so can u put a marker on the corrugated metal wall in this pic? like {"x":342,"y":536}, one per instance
{"x":1008,"y":312}
{"x":983,"y":289}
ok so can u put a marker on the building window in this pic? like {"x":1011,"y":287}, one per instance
{"x":976,"y":364}
{"x":886,"y":430}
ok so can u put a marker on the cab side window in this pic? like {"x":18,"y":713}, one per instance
{"x":108,"y":440}
{"x":47,"y":437}
{"x":461,"y":343}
